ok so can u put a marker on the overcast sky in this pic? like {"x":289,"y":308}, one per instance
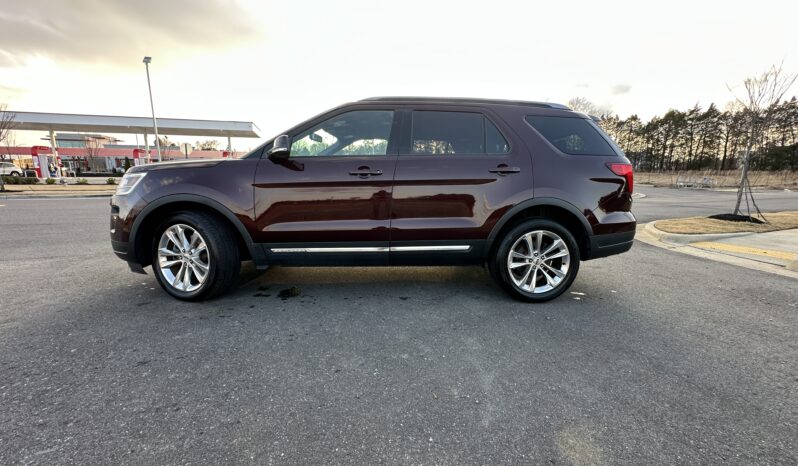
{"x":277,"y":63}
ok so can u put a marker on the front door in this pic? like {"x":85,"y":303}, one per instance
{"x":329,"y":201}
{"x":456,"y":174}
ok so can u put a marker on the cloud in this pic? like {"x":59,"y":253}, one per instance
{"x":10,"y":90}
{"x":7,"y":60}
{"x":118,"y":31}
{"x":619,"y":89}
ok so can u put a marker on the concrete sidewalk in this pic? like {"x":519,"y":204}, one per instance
{"x":57,"y":190}
{"x":774,"y":252}
{"x":775,"y":247}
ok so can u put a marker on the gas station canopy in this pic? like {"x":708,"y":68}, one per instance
{"x":35,"y":121}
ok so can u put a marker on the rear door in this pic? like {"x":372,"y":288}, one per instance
{"x":328,"y":203}
{"x":459,"y":169}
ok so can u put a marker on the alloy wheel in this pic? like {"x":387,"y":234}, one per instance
{"x":538,"y":261}
{"x":183,"y":258}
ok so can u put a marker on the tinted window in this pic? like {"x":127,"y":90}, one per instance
{"x":357,"y":133}
{"x":494,"y":141}
{"x":441,"y":133}
{"x":575,"y":136}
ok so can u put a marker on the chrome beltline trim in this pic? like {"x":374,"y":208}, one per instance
{"x":376,"y":249}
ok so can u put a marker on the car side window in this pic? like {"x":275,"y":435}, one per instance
{"x":355,"y":133}
{"x":494,"y":141}
{"x":574,"y":136}
{"x":448,"y":133}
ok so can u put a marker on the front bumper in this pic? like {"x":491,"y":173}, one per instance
{"x":121,"y":220}
{"x":121,"y":249}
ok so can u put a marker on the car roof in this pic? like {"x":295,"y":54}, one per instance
{"x":467,"y":100}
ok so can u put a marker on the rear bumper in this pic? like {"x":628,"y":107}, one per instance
{"x":610,"y":244}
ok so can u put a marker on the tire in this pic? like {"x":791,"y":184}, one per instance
{"x":15,"y":174}
{"x":219,"y":259}
{"x":551,"y":277}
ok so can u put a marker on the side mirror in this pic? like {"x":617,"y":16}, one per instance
{"x":281,"y":147}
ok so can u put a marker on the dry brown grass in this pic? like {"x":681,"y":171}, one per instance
{"x":703,"y":225}
{"x":721,"y":179}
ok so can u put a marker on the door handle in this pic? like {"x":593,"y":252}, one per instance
{"x":505,"y":170}
{"x":365,"y":171}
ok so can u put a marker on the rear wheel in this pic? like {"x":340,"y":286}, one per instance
{"x":536,"y":261}
{"x":15,"y":173}
{"x":194,"y":257}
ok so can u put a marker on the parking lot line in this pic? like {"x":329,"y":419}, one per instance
{"x":724,"y":247}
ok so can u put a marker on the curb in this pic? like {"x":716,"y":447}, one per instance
{"x":680,"y":238}
{"x":652,"y":236}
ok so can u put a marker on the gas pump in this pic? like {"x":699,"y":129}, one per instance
{"x":59,"y":167}
{"x":39,"y":154}
{"x":138,"y":156}
{"x":36,"y":167}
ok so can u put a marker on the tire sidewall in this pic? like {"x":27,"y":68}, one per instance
{"x":197,"y":223}
{"x":500,"y":259}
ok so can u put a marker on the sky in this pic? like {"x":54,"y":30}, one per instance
{"x":279,"y":63}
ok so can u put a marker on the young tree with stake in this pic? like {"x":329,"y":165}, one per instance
{"x":762,"y":94}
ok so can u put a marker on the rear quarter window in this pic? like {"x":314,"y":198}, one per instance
{"x":574,"y":136}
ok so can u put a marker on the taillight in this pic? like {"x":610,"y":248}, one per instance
{"x":624,"y":170}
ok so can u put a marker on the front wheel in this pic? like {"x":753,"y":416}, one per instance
{"x":194,"y":257}
{"x":536,"y":261}
{"x":15,"y":174}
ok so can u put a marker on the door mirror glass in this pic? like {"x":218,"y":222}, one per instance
{"x":281,"y":147}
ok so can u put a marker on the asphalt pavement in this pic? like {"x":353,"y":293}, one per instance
{"x":653,"y":357}
{"x":662,"y":203}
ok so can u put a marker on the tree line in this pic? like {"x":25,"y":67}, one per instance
{"x":708,"y":138}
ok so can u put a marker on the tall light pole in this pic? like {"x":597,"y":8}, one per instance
{"x":146,"y":62}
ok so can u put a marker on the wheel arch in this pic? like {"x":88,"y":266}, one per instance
{"x":553,"y":209}
{"x":153,"y":214}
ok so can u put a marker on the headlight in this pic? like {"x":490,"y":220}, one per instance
{"x":129,"y":183}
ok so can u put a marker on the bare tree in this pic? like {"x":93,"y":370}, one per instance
{"x":210,"y":144}
{"x":92,"y":149}
{"x":9,"y":143}
{"x":7,"y":125}
{"x":581,"y":104}
{"x":165,"y":142}
{"x":762,"y":95}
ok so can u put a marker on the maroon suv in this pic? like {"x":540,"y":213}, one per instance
{"x":529,"y":189}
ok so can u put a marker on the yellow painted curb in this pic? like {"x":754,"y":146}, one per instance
{"x":784,"y":255}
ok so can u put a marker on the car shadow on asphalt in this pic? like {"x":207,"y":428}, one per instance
{"x":388,"y":282}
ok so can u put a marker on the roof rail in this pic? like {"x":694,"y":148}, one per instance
{"x":468,"y":100}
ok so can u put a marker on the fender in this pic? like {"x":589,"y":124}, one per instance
{"x":255,"y":251}
{"x":538,"y":201}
